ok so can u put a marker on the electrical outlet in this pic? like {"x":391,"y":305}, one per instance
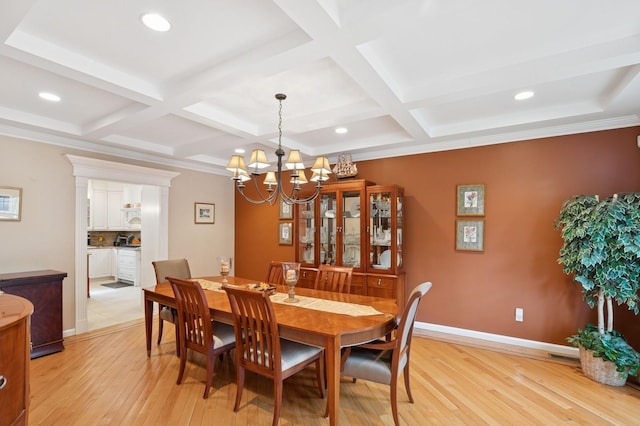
{"x":519,"y":314}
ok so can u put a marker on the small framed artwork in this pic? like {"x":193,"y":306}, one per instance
{"x":284,"y":233}
{"x":470,"y":200}
{"x":10,"y":203}
{"x":470,"y":235}
{"x":205,"y":213}
{"x":286,"y":210}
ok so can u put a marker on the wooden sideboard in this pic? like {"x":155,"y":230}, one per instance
{"x":15,"y":314}
{"x":44,"y":290}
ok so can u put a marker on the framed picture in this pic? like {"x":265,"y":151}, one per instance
{"x":284,"y":233}
{"x":470,"y":200}
{"x":470,"y":235}
{"x":10,"y":203}
{"x":205,"y":213}
{"x":286,"y":210}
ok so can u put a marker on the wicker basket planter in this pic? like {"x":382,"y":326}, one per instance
{"x":599,"y":369}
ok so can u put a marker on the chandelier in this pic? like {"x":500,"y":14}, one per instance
{"x":274,"y":181}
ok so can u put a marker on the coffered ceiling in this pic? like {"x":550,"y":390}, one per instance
{"x":403,"y":77}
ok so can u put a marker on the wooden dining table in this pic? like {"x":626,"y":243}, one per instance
{"x":328,"y":330}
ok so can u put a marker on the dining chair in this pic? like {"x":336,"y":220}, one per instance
{"x":333,"y":278}
{"x":260,"y":349}
{"x":178,"y":268}
{"x":383,"y":361}
{"x":274,"y":273}
{"x":196,"y":330}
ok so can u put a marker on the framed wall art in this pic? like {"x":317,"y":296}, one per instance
{"x":470,"y":200}
{"x":284,"y":233}
{"x":286,"y":210}
{"x":10,"y":203}
{"x":205,"y":213}
{"x":470,"y":235}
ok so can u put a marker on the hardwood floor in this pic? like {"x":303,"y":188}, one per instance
{"x":104,"y":377}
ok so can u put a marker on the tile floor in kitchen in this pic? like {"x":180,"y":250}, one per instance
{"x":110,"y":306}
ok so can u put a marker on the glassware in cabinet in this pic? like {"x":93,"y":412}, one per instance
{"x":306,"y":228}
{"x":385,"y":228}
{"x":351,"y":228}
{"x":328,"y":225}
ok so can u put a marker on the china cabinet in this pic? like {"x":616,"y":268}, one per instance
{"x":354,"y":223}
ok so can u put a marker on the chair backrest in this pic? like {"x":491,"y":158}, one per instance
{"x":257,"y":337}
{"x":178,"y":268}
{"x":334,"y":278}
{"x":405,"y":325}
{"x":274,"y":273}
{"x":194,"y":317}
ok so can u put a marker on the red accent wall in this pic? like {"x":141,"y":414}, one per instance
{"x":526,"y":183}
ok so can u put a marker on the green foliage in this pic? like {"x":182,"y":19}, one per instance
{"x":611,"y":346}
{"x":602,"y":247}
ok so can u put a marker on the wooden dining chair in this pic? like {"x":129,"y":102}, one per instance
{"x":260,"y":349}
{"x":274,"y":273}
{"x":196,"y":330}
{"x":383,"y":361}
{"x":334,"y":278}
{"x":178,"y":268}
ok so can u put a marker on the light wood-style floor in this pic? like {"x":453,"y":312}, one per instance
{"x":104,"y":377}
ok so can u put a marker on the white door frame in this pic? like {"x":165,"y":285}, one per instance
{"x":155,"y":217}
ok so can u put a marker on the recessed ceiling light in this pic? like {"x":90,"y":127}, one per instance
{"x":155,"y":22}
{"x":523,"y":95}
{"x":49,"y":96}
{"x":341,"y":130}
{"x":239,"y":151}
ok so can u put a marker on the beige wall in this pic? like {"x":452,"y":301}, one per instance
{"x":44,"y":238}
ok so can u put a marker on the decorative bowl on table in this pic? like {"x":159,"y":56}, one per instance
{"x":266,"y":287}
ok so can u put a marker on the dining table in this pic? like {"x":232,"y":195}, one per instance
{"x":345,"y":320}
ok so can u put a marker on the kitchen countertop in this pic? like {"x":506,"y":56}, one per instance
{"x":113,"y":247}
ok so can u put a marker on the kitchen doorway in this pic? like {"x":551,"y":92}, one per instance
{"x":114,"y":292}
{"x":154,"y":214}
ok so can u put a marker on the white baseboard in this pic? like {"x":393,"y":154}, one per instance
{"x":479,"y":337}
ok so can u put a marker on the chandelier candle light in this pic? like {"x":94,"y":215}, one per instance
{"x":258,"y":161}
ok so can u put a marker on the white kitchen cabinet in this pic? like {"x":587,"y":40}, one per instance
{"x":105,"y":206}
{"x":101,"y":261}
{"x":129,"y":265}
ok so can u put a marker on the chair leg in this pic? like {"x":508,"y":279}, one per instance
{"x":320,"y":375}
{"x":177,"y":339}
{"x":277,"y":401}
{"x":183,"y":363}
{"x":211,"y":365}
{"x":394,"y":400}
{"x":406,"y":382}
{"x":239,"y":386}
{"x":160,"y":327}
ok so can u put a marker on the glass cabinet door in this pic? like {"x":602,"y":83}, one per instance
{"x":328,"y":227}
{"x":351,"y":225}
{"x":385,"y":228}
{"x":399,"y":225}
{"x":306,"y":234}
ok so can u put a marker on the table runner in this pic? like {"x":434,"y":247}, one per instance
{"x":344,"y":308}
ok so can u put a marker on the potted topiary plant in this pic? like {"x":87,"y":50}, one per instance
{"x":601,"y":250}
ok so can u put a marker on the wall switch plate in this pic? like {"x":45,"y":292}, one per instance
{"x":519,"y":314}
